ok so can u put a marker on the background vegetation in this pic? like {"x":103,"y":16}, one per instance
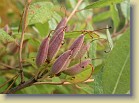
{"x":111,"y":71}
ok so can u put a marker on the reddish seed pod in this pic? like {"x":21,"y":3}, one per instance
{"x":76,"y":46}
{"x":66,"y":64}
{"x":77,"y":68}
{"x":60,"y":62}
{"x":83,"y":50}
{"x":55,"y":46}
{"x":43,"y":51}
{"x":61,"y":25}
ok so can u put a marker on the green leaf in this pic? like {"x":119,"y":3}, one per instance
{"x":59,"y":88}
{"x":102,"y":16}
{"x":42,"y":28}
{"x":93,"y":46}
{"x":81,"y":77}
{"x":2,"y":81}
{"x":109,"y":39}
{"x":116,"y":75}
{"x":57,"y":17}
{"x":114,"y":15}
{"x":52,"y":24}
{"x":102,"y":3}
{"x":125,"y":7}
{"x":97,"y":84}
{"x":32,"y":62}
{"x":40,"y":12}
{"x":5,"y":37}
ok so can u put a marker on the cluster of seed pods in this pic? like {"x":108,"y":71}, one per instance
{"x":50,"y":46}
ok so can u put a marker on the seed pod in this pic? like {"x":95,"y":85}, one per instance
{"x":43,"y":51}
{"x":83,"y":50}
{"x":77,"y":68}
{"x":76,"y":46}
{"x":62,"y":23}
{"x":59,"y":28}
{"x":66,"y":64}
{"x":60,"y":62}
{"x":55,"y":45}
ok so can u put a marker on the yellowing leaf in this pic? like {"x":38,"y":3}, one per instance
{"x":81,"y":77}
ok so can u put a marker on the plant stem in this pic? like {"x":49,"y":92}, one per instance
{"x":21,"y":86}
{"x":74,"y":11}
{"x":24,"y":25}
{"x":8,"y":81}
{"x":61,"y":83}
{"x":11,"y":84}
{"x":34,"y":82}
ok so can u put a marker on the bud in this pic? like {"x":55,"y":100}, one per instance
{"x":60,"y":62}
{"x":77,"y":68}
{"x":83,"y":50}
{"x":55,"y":45}
{"x":59,"y":28}
{"x":29,"y":1}
{"x":13,"y":49}
{"x":43,"y":51}
{"x":6,"y":28}
{"x":76,"y":46}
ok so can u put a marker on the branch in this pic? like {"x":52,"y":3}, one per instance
{"x":8,"y":81}
{"x":24,"y":26}
{"x":122,"y":30}
{"x":34,"y":82}
{"x":8,"y":67}
{"x":74,"y":11}
{"x":21,"y":86}
{"x":11,"y":84}
{"x":60,"y":83}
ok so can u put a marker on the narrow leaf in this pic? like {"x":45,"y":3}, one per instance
{"x":109,"y":39}
{"x":102,"y":16}
{"x":125,"y":7}
{"x":102,"y":3}
{"x":114,"y":15}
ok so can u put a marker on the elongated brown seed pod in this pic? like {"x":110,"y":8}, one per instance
{"x":83,"y":50}
{"x":60,"y":62}
{"x":76,"y":46}
{"x":61,"y":25}
{"x":77,"y":68}
{"x":55,"y":46}
{"x":43,"y":51}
